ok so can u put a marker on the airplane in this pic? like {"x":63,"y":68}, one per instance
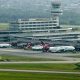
{"x":4,"y":45}
{"x":61,"y":48}
{"x":54,"y":49}
{"x":47,"y":48}
{"x":42,"y":47}
{"x":37,"y":47}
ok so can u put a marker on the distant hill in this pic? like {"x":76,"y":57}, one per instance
{"x":13,"y":9}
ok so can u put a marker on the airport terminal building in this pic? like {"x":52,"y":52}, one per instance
{"x":40,"y":25}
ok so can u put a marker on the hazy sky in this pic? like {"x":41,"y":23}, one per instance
{"x":42,"y":3}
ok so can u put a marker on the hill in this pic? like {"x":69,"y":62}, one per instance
{"x":14,"y":9}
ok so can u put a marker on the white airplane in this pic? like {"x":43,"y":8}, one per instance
{"x":61,"y":48}
{"x":54,"y":49}
{"x":37,"y":47}
{"x":4,"y":45}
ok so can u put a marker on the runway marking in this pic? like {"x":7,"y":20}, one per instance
{"x":10,"y":50}
{"x":38,"y":71}
{"x":20,"y":50}
{"x":40,"y":62}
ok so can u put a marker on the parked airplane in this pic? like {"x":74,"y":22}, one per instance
{"x":37,"y":47}
{"x":46,"y":48}
{"x":43,"y":47}
{"x":4,"y":45}
{"x":61,"y":48}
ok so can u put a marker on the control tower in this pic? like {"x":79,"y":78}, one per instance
{"x":56,"y":11}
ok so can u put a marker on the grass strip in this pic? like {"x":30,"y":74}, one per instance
{"x":37,"y":76}
{"x":46,"y":66}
